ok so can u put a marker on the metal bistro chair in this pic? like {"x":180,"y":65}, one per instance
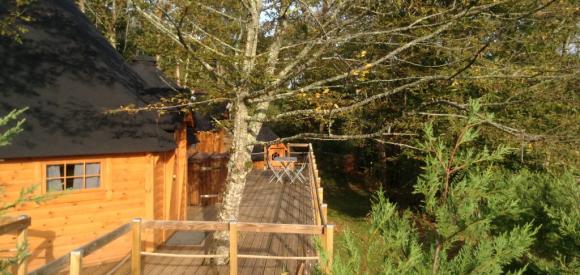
{"x":277,"y":172}
{"x":299,"y":167}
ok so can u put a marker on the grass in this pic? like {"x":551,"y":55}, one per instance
{"x":348,"y":205}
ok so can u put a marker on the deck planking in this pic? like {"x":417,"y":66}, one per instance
{"x":262,"y":202}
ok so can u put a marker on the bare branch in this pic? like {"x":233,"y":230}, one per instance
{"x":512,"y":131}
{"x":397,"y":144}
{"x":237,"y":19}
{"x":361,"y":103}
{"x":160,"y":107}
{"x":318,"y":136}
{"x":317,"y":84}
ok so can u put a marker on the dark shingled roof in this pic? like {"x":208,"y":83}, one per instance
{"x":68,"y":75}
{"x":156,"y":83}
{"x":265,"y":134}
{"x":202,"y":123}
{"x":156,"y":87}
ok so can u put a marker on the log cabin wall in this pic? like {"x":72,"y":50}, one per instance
{"x":147,"y":185}
{"x":77,"y":217}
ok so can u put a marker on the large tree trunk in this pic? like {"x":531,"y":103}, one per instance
{"x":239,"y":165}
{"x":244,"y":135}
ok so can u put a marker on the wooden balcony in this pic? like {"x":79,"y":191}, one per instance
{"x":264,"y":203}
{"x":274,"y":233}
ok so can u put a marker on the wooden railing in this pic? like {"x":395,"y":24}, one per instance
{"x":74,"y":258}
{"x":19,"y":225}
{"x":325,"y":232}
{"x":317,"y":192}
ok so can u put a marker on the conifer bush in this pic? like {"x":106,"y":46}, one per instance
{"x":476,"y":216}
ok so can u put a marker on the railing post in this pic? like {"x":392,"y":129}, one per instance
{"x":324,"y":209}
{"x":328,"y":242}
{"x":22,"y":241}
{"x":76,"y":262}
{"x":136,"y":247}
{"x":233,"y":225}
{"x":320,"y":195}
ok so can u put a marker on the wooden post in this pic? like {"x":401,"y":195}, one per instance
{"x":136,"y":247}
{"x":328,"y":242}
{"x":320,"y":195}
{"x":76,"y":262}
{"x":22,"y":241}
{"x":265,"y":158}
{"x":233,"y":248}
{"x":324,"y":209}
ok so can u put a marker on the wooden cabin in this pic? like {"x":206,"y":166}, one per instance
{"x":101,"y":169}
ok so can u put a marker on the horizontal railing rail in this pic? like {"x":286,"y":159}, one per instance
{"x":324,"y":231}
{"x":74,"y":258}
{"x":11,"y":224}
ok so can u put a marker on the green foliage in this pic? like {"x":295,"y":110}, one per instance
{"x":550,"y":203}
{"x":11,"y":18}
{"x":456,"y":231}
{"x":11,"y":131}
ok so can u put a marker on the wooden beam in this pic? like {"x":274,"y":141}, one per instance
{"x":279,"y":228}
{"x":320,"y":193}
{"x":185,"y":225}
{"x":136,"y":247}
{"x":324,"y":209}
{"x":58,"y":264}
{"x":300,"y":258}
{"x":328,"y":241}
{"x":298,"y":144}
{"x":12,"y":224}
{"x":76,"y":262}
{"x":21,"y":241}
{"x":188,"y":256}
{"x":233,"y":248}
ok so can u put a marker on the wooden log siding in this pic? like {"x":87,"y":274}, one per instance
{"x":74,"y":218}
{"x":20,"y":225}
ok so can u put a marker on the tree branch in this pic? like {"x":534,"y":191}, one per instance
{"x":512,"y":131}
{"x":317,"y":84}
{"x":318,"y":136}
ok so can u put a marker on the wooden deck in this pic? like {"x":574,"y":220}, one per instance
{"x":264,"y":203}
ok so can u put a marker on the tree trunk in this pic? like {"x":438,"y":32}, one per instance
{"x":240,"y":162}
{"x":239,"y":165}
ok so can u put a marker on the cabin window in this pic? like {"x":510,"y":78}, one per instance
{"x":73,"y":176}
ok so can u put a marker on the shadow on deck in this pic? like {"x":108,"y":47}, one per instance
{"x":262,"y":203}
